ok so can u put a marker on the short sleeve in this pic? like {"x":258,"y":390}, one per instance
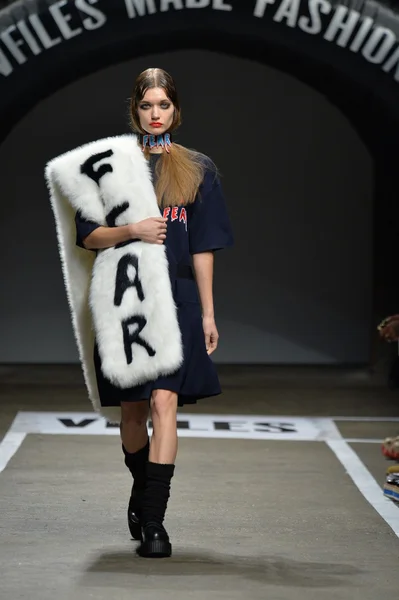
{"x":209,"y":225}
{"x":84,"y":227}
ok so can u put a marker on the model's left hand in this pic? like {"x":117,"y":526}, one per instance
{"x":211,"y":334}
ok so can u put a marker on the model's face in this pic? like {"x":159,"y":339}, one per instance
{"x":155,"y":112}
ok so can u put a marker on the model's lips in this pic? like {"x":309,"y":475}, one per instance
{"x":156,"y":125}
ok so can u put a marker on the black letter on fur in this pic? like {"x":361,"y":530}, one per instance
{"x":115,"y":212}
{"x":122,"y":278}
{"x":134,"y":338}
{"x":88,"y":166}
{"x":111,"y":220}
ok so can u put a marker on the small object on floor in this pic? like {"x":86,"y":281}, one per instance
{"x":155,"y":542}
{"x":393,"y":469}
{"x":391,"y":487}
{"x":390,"y":447}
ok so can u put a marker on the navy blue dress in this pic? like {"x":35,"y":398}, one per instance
{"x":201,"y":226}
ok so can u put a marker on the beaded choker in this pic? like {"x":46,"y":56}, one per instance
{"x":156,"y":141}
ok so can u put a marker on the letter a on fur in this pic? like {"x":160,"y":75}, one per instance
{"x":122,"y":297}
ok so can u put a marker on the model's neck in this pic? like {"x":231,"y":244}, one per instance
{"x":156,"y":144}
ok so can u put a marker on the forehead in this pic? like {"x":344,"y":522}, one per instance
{"x":155,"y":95}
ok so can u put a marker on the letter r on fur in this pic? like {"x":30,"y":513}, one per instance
{"x":133,"y":337}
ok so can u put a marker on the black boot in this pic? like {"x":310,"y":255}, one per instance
{"x":136,"y":463}
{"x":155,"y":540}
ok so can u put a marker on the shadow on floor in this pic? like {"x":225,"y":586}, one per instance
{"x":272,"y":570}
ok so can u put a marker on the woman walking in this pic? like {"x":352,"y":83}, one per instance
{"x":189,"y":224}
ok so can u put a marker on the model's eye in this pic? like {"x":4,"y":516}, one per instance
{"x":165,"y":105}
{"x":144,"y":106}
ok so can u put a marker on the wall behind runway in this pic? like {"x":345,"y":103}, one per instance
{"x":296,"y":288}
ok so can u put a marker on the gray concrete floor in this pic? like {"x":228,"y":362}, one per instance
{"x":249,"y":519}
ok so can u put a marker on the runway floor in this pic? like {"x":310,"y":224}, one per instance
{"x":277,"y":492}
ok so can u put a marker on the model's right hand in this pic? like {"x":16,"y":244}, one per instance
{"x":151,"y":230}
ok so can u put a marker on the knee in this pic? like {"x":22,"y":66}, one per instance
{"x":163,"y":404}
{"x":134,"y":413}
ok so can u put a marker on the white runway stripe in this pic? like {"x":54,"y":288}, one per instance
{"x":368,"y":419}
{"x":8,"y":447}
{"x":366,"y":483}
{"x":364,"y":441}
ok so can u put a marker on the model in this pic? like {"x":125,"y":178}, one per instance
{"x":139,"y":218}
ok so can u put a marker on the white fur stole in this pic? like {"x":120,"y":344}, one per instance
{"x":125,"y":292}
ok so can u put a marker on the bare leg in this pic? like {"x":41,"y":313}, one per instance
{"x":133,"y":427}
{"x":163,"y":448}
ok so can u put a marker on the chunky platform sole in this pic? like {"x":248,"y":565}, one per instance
{"x":155,"y":549}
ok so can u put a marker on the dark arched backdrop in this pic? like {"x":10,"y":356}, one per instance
{"x":347,"y":51}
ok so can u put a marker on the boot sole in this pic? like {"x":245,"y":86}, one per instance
{"x":155,"y":549}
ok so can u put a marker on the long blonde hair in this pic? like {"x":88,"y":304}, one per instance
{"x":179,"y":172}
